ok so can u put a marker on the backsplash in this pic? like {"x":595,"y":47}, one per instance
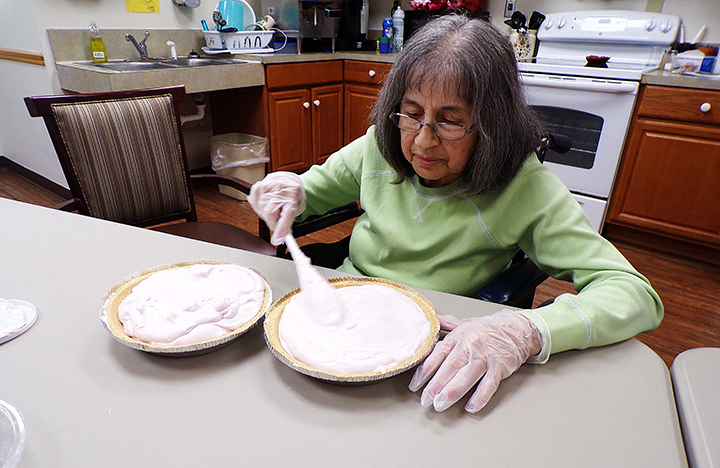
{"x":70,"y":45}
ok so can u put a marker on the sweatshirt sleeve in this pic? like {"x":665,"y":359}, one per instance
{"x":614,"y":301}
{"x":337,"y":181}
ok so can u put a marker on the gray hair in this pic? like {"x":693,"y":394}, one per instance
{"x":473,"y":59}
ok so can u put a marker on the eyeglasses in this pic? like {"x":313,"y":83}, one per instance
{"x":443,"y":130}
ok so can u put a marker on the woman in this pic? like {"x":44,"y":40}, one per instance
{"x":451,"y":190}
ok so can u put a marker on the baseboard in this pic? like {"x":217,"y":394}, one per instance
{"x":652,"y":241}
{"x":35,"y":178}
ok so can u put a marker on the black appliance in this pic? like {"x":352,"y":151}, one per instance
{"x":415,"y":19}
{"x":349,"y":36}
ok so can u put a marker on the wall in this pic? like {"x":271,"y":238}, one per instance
{"x":25,"y":141}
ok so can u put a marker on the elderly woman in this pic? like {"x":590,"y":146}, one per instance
{"x":451,"y":190}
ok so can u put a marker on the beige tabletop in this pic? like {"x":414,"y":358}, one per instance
{"x":90,"y":401}
{"x":696,"y":378}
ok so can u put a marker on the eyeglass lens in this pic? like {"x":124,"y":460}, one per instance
{"x":443,"y":130}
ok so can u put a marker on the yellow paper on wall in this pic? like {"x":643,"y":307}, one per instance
{"x":142,"y":6}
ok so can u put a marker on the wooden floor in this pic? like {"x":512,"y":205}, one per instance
{"x":690,"y":290}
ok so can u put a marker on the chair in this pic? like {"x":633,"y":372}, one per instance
{"x":123,"y":156}
{"x":515,"y":286}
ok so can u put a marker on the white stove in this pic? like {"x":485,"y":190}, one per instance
{"x":633,"y":40}
{"x":593,"y":105}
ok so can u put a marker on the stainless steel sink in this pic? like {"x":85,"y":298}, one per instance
{"x":199,"y":61}
{"x":131,"y":66}
{"x":164,"y":64}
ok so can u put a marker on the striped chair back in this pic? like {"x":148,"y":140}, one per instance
{"x":127,"y":157}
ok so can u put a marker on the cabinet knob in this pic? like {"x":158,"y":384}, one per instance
{"x":705,"y":107}
{"x":371,"y":73}
{"x":316,"y":102}
{"x":306,"y":105}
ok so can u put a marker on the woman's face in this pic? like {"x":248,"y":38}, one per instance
{"x":437,"y":162}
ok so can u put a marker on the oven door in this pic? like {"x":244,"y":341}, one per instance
{"x":595,"y":115}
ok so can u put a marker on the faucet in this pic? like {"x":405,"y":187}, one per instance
{"x":141,"y":47}
{"x":173,"y":50}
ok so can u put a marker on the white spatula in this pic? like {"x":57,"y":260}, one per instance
{"x":322,"y":299}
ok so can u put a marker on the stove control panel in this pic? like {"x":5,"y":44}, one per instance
{"x":606,"y":26}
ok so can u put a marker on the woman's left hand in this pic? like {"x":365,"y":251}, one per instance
{"x":491,"y":348}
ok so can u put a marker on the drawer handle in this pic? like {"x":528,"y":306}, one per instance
{"x":371,"y":73}
{"x":306,"y":105}
{"x":705,"y":107}
{"x":316,"y":102}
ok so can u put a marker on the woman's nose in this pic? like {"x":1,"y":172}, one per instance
{"x":426,"y":137}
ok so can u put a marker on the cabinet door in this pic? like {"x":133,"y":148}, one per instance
{"x":327,"y":121}
{"x":289,"y":119}
{"x":359,"y":100}
{"x":669,"y":181}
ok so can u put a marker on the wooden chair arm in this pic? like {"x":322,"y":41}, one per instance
{"x":332,"y":217}
{"x":74,"y":204}
{"x":216,"y":179}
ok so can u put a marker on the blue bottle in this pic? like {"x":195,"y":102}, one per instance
{"x":387,"y":30}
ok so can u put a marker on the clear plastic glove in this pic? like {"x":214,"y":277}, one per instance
{"x":277,"y":199}
{"x":491,"y":348}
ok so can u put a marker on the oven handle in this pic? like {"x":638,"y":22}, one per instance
{"x":585,"y":85}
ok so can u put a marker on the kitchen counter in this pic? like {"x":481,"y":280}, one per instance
{"x":663,"y":78}
{"x":292,"y":57}
{"x":86,"y":78}
{"x":83,"y":77}
{"x":71,"y":53}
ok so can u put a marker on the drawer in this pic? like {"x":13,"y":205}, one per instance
{"x":689,"y":105}
{"x":298,"y":75}
{"x":371,"y":73}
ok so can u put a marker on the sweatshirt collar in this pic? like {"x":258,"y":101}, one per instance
{"x":445,"y":191}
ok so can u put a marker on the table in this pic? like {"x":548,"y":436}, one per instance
{"x":90,"y":401}
{"x":696,"y":377}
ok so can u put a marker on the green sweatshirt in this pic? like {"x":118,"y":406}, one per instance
{"x":443,"y":240}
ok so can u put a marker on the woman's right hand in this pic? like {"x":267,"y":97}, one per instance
{"x":277,"y":199}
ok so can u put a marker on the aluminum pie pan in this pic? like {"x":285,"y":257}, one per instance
{"x":112,"y":299}
{"x":273,"y":316}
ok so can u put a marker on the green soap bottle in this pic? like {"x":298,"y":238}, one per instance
{"x":96,"y":45}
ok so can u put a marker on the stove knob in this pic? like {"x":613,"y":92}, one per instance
{"x":549,"y":23}
{"x":650,"y":25}
{"x":666,"y":27}
{"x":562,"y":23}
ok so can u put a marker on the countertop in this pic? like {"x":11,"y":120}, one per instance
{"x":292,"y":57}
{"x":664,"y":78}
{"x":75,"y":72}
{"x":83,"y":77}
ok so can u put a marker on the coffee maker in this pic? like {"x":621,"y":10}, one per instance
{"x":352,"y":33}
{"x":318,"y":24}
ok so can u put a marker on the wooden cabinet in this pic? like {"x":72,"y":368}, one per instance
{"x":668,"y":183}
{"x":362,"y":84}
{"x":305,"y":113}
